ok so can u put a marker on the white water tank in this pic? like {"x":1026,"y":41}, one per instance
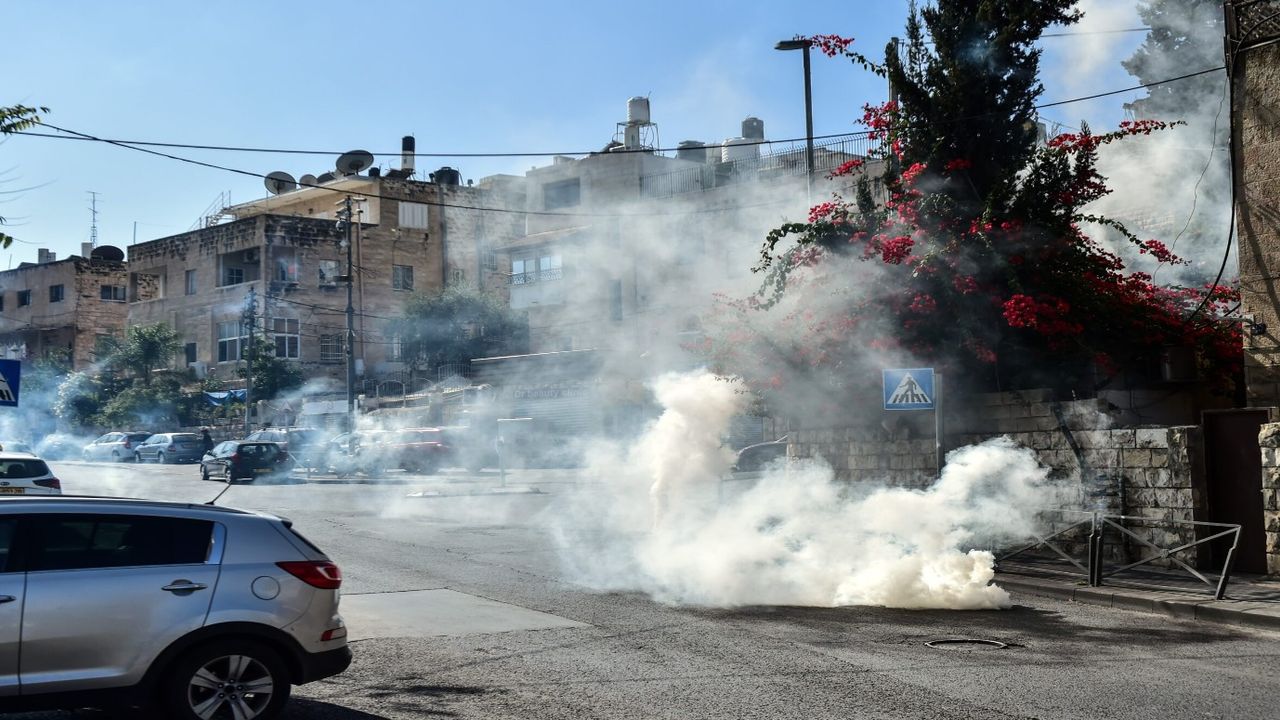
{"x":638,"y":111}
{"x":739,"y":148}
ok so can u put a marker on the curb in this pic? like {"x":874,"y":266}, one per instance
{"x":1179,"y":607}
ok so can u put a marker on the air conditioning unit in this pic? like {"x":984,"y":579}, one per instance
{"x":251,"y":255}
{"x":200,"y":368}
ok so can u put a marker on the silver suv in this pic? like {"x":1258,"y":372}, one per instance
{"x":203,"y":612}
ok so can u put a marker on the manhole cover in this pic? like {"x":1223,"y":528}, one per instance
{"x":967,"y":641}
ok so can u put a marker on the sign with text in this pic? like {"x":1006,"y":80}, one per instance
{"x":908,"y":389}
{"x":10,"y":380}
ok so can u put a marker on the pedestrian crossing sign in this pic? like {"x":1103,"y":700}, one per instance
{"x":10,"y":379}
{"x":909,"y":389}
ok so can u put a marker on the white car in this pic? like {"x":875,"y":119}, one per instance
{"x":26,"y":474}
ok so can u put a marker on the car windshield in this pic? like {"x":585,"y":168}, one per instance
{"x":11,"y":469}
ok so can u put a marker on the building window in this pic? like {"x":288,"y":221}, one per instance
{"x":328,"y":273}
{"x":189,"y":351}
{"x":24,"y":298}
{"x":57,"y":293}
{"x":230,"y":341}
{"x":395,"y":349}
{"x":563,"y":194}
{"x":457,"y":276}
{"x":414,"y":215}
{"x":232,"y":275}
{"x":286,"y":268}
{"x":549,"y":268}
{"x":191,"y":282}
{"x":401,"y":277}
{"x":523,"y":272}
{"x":490,"y":259}
{"x":114,"y":293}
{"x":332,"y":349}
{"x":286,"y":337}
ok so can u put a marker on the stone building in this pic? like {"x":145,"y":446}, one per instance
{"x":62,"y":309}
{"x":285,"y":255}
{"x":1254,"y":62}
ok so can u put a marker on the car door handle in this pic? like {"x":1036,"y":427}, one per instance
{"x":178,"y":586}
{"x":7,"y":598}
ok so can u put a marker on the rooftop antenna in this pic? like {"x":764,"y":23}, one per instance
{"x":93,"y":213}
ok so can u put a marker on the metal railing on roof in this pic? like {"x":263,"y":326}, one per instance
{"x":781,"y":160}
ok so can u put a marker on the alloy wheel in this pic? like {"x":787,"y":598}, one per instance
{"x":232,"y":686}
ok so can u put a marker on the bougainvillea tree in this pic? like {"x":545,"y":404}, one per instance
{"x":962,"y":245}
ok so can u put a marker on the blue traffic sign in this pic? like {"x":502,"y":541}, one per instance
{"x":10,"y":379}
{"x":909,"y":389}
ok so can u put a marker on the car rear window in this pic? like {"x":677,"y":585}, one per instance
{"x":258,"y":449}
{"x":81,"y":542}
{"x":18,"y":469}
{"x":139,"y":436}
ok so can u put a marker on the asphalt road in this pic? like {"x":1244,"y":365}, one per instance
{"x":460,"y":609}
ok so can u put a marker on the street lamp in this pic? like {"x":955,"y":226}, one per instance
{"x":803,"y":44}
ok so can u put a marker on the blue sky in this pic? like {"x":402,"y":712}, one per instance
{"x":485,"y":76}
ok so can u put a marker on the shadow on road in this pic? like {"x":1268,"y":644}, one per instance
{"x":300,"y":708}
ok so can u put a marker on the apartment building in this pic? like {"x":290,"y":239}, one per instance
{"x":63,"y":308}
{"x":624,"y":251}
{"x":285,"y":256}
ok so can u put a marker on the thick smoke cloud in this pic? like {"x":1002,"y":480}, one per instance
{"x":661,"y":519}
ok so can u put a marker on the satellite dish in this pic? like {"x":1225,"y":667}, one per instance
{"x":353,"y":162}
{"x":279,"y":182}
{"x":307,"y":180}
{"x":326,"y":177}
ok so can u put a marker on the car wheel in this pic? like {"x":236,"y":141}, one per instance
{"x":233,"y":678}
{"x":162,"y":458}
{"x":115,"y":456}
{"x":204,"y":473}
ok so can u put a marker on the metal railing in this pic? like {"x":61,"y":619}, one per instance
{"x":536,"y":276}
{"x":783,"y":159}
{"x":1095,"y":568}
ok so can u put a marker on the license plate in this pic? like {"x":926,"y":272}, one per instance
{"x":11,"y":491}
{"x":262,"y":470}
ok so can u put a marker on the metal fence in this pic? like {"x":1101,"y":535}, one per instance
{"x":781,"y":160}
{"x":1095,"y":567}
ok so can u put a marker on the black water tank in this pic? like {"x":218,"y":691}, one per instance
{"x":107,"y":252}
{"x":375,"y":172}
{"x":448,"y":176}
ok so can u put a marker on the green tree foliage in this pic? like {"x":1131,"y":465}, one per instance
{"x":271,"y":375}
{"x":1185,"y":36}
{"x":17,"y":118}
{"x":967,"y":81}
{"x":142,"y":406}
{"x":457,"y":326}
{"x":144,"y":349}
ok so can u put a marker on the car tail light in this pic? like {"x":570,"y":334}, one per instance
{"x":333,"y":634}
{"x":53,"y":483}
{"x":127,"y":444}
{"x":321,"y":574}
{"x":235,"y":457}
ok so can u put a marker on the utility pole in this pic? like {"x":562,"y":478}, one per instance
{"x":346,"y":217}
{"x":250,"y":321}
{"x":93,"y":222}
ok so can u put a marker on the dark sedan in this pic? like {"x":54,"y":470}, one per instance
{"x":245,"y":460}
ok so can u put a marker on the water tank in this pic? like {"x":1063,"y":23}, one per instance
{"x":375,"y":172}
{"x":448,"y":176}
{"x":692,"y":150}
{"x":638,"y":111}
{"x":753,"y":128}
{"x":739,"y":148}
{"x":107,"y":252}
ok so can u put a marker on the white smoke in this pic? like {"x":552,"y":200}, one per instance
{"x":662,"y":521}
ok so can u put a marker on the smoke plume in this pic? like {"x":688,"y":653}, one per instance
{"x":664,"y":520}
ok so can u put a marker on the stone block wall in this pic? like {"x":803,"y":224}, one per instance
{"x":860,"y":455}
{"x":1269,"y":439}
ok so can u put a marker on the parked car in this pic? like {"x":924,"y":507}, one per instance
{"x":114,"y":446}
{"x":15,"y":446}
{"x":244,"y":460}
{"x":303,"y":443}
{"x":25,"y":474}
{"x":470,"y":447}
{"x":194,"y":611}
{"x":59,"y":446}
{"x":170,"y":448}
{"x":412,"y":449}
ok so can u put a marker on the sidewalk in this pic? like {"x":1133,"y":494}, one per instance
{"x":1251,"y":600}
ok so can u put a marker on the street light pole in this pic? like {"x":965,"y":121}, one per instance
{"x":804,"y":44}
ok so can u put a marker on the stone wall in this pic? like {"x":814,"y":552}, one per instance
{"x":1269,"y":439}
{"x":1145,"y":472}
